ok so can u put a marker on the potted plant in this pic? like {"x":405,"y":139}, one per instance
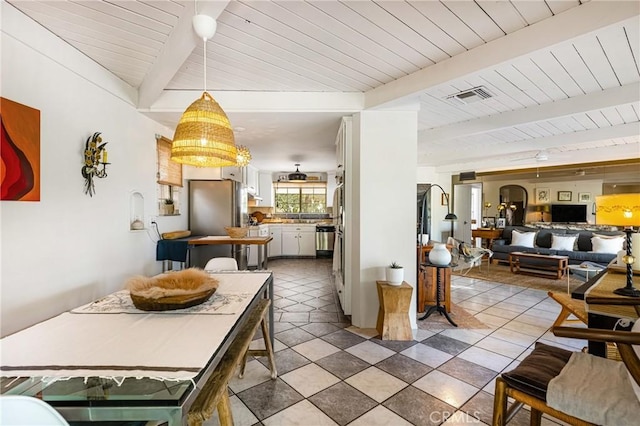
{"x":395,"y":274}
{"x":168,"y":206}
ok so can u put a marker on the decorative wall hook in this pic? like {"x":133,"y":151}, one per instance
{"x":95,"y":156}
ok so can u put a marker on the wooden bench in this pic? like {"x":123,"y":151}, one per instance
{"x":214,"y":393}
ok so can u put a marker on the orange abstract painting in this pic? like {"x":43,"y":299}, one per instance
{"x":20,"y":152}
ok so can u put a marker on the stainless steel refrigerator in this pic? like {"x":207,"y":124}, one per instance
{"x":214,"y":204}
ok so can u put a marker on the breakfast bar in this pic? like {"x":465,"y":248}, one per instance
{"x":178,"y":249}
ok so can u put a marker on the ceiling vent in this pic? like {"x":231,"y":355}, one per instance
{"x":476,"y":94}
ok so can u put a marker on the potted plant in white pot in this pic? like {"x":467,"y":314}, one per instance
{"x":395,"y":274}
{"x":168,"y":207}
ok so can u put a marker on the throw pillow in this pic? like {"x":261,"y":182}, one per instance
{"x":608,"y":237}
{"x":523,"y":239}
{"x":563,"y":242}
{"x":607,"y":245}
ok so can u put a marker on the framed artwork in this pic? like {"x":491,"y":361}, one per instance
{"x":489,"y":221}
{"x":564,"y":195}
{"x":20,"y":165}
{"x":542,"y":195}
{"x":584,"y":197}
{"x":502,"y":222}
{"x":443,"y":199}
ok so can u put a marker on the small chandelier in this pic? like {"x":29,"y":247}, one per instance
{"x":244,"y":156}
{"x":204,"y":136}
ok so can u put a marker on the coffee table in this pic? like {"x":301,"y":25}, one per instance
{"x":584,"y":268}
{"x":539,"y":265}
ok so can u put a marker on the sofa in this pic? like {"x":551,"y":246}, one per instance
{"x":582,"y":250}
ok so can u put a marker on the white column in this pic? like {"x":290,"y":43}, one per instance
{"x":382,"y":221}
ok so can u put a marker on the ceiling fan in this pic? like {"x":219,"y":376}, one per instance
{"x":542,"y":155}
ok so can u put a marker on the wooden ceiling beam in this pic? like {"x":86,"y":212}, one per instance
{"x":182,"y":41}
{"x":544,"y":34}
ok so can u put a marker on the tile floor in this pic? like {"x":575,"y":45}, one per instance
{"x":331,"y":373}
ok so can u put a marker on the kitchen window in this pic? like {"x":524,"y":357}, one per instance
{"x":301,"y":198}
{"x":169,"y":178}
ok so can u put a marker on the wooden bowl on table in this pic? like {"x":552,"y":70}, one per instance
{"x":172,"y":290}
{"x":236,"y":232}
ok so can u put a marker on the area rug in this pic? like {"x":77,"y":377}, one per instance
{"x":436,"y":321}
{"x":501,"y":274}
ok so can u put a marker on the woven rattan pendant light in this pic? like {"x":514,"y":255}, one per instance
{"x":204,"y":136}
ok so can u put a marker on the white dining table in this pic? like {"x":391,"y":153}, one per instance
{"x":104,"y":361}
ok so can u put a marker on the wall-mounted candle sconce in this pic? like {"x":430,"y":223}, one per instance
{"x":95,"y":162}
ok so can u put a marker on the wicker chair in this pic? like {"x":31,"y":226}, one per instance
{"x":605,"y":392}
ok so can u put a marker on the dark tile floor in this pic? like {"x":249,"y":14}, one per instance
{"x":331,"y":373}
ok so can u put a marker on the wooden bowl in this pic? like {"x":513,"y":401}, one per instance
{"x":170,"y":303}
{"x":236,"y":232}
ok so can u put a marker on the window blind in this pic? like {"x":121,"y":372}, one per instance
{"x":169,"y":172}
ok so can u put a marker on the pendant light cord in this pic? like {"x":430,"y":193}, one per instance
{"x":204,"y":48}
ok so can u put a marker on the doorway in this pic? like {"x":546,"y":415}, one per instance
{"x":468,"y":208}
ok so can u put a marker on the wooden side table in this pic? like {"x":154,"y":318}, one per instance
{"x":393,"y":314}
{"x":427,"y":287}
{"x":442,"y":291}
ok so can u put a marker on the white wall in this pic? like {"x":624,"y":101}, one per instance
{"x":438,"y":225}
{"x":383,"y":210}
{"x":69,"y":248}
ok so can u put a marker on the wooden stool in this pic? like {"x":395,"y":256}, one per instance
{"x":214,"y":393}
{"x":393,"y":314}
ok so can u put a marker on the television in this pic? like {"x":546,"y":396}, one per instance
{"x":569,"y":213}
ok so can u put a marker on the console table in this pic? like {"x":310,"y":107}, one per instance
{"x":604,"y":308}
{"x":487,"y":235}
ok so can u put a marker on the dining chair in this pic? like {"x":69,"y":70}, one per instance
{"x":575,"y":387}
{"x":25,"y":410}
{"x":221,"y":264}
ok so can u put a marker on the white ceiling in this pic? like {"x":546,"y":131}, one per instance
{"x":564,"y":75}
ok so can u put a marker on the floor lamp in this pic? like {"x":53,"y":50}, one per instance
{"x":421,"y":221}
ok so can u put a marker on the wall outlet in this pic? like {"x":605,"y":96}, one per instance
{"x":152,"y":219}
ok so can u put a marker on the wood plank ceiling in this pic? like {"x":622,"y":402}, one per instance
{"x":573,"y":99}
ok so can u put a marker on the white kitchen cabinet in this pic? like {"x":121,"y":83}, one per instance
{"x":275,"y":246}
{"x":289,"y":242}
{"x":307,"y":243}
{"x":232,"y":173}
{"x":299,"y":240}
{"x":342,"y":140}
{"x":265,"y":183}
{"x":252,"y":250}
{"x":331,"y":187}
{"x":251,"y":180}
